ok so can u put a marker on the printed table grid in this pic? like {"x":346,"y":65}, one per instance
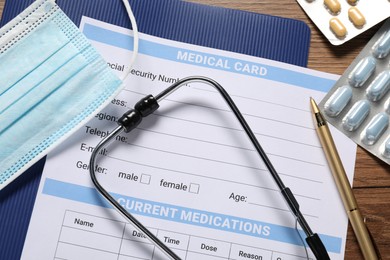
{"x":85,"y":236}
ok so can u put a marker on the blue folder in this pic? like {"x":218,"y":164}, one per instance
{"x":253,"y":34}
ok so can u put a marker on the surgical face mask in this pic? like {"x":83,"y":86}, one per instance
{"x":51,"y":82}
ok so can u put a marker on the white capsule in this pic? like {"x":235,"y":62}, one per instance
{"x":382,"y":47}
{"x":373,"y":131}
{"x":379,"y":86}
{"x":356,"y":115}
{"x":337,"y":102}
{"x":362,"y":72}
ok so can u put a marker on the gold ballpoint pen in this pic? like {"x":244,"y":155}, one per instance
{"x":342,"y":183}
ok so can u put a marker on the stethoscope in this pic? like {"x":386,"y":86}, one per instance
{"x":146,"y":106}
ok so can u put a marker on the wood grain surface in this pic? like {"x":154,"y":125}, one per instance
{"x":372,"y":177}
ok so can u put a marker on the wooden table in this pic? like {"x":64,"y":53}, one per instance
{"x":372,"y":177}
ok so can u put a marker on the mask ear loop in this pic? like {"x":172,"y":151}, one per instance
{"x":135,"y":38}
{"x":133,"y":22}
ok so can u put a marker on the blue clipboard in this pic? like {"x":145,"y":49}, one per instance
{"x":265,"y":36}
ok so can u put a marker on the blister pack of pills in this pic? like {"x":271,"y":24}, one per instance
{"x":341,"y":20}
{"x":359,"y":103}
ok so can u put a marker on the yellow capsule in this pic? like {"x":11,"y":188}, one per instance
{"x":337,"y":27}
{"x":356,"y":17}
{"x":333,"y":6}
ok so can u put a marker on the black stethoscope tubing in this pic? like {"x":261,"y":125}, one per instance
{"x":149,"y":104}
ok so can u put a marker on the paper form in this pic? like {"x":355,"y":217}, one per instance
{"x":188,"y":172}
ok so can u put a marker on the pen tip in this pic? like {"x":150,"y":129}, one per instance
{"x":314,"y":106}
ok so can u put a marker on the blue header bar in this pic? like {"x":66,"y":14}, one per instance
{"x":185,"y":215}
{"x":208,"y":60}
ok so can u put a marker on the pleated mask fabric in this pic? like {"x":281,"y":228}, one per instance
{"x":52,"y":81}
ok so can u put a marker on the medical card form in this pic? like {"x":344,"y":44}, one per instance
{"x":188,"y":172}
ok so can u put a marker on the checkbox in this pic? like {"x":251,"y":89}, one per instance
{"x":145,"y":178}
{"x":194,"y":188}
